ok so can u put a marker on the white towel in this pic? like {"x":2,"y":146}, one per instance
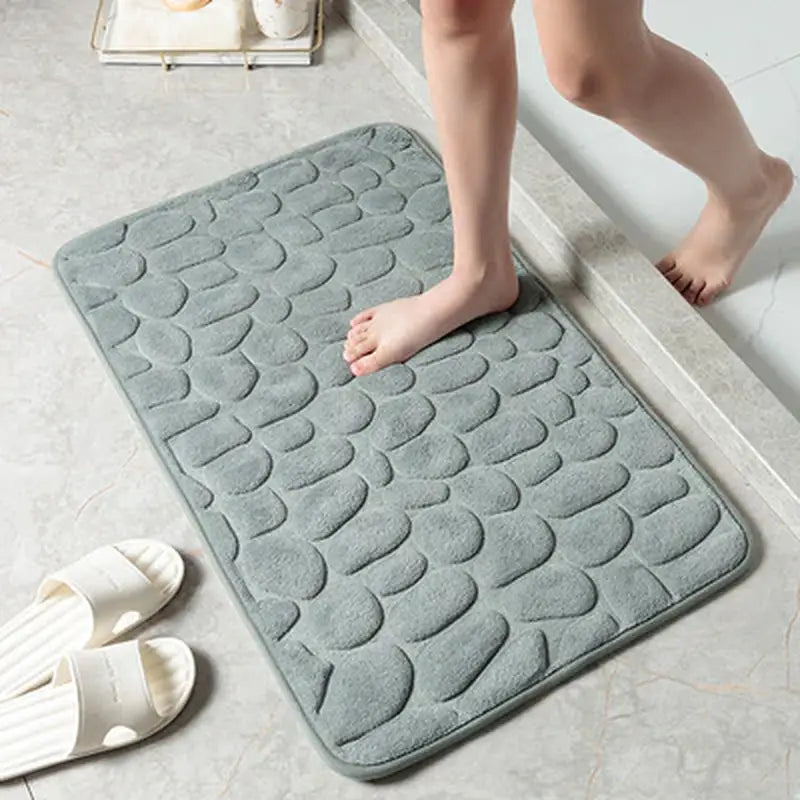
{"x":150,"y":25}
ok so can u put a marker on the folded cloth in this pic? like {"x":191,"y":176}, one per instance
{"x":150,"y":25}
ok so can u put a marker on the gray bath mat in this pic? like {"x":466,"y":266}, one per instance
{"x":419,"y":550}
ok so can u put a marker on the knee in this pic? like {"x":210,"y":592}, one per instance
{"x":602,"y":87}
{"x":580,"y":83}
{"x":454,"y":18}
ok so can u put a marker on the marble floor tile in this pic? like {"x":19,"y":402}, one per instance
{"x":708,"y":707}
{"x":15,"y":790}
{"x":738,"y":40}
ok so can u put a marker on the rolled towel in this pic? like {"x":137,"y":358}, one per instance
{"x":150,"y":25}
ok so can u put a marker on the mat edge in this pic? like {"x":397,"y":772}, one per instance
{"x":594,"y":657}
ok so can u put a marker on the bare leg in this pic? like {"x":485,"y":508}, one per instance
{"x":470,"y":60}
{"x":601,"y":56}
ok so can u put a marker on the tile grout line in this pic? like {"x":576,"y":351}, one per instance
{"x":28,"y":788}
{"x":33,"y":259}
{"x":761,"y":71}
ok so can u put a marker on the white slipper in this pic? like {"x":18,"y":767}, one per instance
{"x":98,"y":700}
{"x":99,"y":597}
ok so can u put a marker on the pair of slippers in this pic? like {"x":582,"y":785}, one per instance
{"x":62,"y":694}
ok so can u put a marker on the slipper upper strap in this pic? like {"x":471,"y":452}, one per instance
{"x":111,"y":692}
{"x":112,"y":587}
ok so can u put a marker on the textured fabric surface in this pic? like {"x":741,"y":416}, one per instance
{"x":421,"y":549}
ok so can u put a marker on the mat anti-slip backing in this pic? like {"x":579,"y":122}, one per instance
{"x":424,"y":548}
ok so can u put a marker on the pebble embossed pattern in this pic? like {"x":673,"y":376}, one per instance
{"x":423,"y":548}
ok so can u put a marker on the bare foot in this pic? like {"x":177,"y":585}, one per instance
{"x":394,"y":331}
{"x":705,"y":262}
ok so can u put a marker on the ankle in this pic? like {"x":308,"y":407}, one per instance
{"x":756,"y":190}
{"x":484,"y":271}
{"x":495,"y":283}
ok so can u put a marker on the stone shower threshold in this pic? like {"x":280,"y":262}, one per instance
{"x":576,"y":247}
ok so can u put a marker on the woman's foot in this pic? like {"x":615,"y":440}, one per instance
{"x":394,"y":331}
{"x":707,"y":259}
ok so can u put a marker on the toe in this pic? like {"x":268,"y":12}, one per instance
{"x":710,"y":291}
{"x":693,"y":289}
{"x":672,"y":274}
{"x":366,"y":364}
{"x":705,"y":296}
{"x":362,"y":316}
{"x":682,"y":282}
{"x":358,"y":332}
{"x":359,"y":349}
{"x":666,"y":264}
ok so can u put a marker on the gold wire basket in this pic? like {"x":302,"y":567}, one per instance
{"x":256,"y":49}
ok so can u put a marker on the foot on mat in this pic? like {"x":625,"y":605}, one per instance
{"x":394,"y":331}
